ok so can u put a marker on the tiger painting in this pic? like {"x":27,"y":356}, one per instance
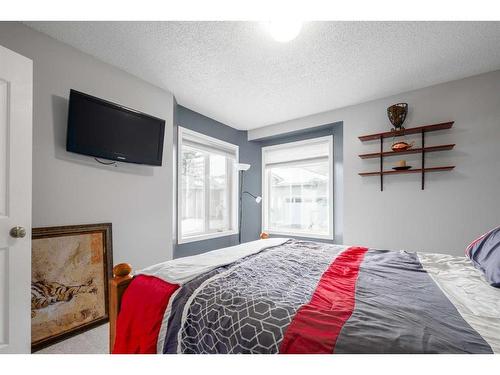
{"x":44,"y":293}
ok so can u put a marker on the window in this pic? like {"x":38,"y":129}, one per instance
{"x":207,"y":187}
{"x":297,"y":187}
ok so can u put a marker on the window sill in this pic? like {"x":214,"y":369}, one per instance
{"x":301,"y":234}
{"x":207,"y":236}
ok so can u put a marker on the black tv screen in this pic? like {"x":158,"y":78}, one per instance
{"x":107,"y":130}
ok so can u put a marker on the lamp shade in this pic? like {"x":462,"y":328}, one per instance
{"x":242,"y":167}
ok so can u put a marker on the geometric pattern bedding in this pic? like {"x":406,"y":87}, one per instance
{"x":247,"y":308}
{"x":309,"y":297}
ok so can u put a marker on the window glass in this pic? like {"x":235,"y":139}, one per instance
{"x":299,"y":198}
{"x":219,"y":193}
{"x":297,"y":188}
{"x":193,"y":191}
{"x":207,"y":198}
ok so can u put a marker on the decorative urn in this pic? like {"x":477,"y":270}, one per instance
{"x":397,"y":115}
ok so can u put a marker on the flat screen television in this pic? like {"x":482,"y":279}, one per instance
{"x":107,"y":130}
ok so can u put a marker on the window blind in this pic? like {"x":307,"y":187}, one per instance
{"x":307,"y":151}
{"x":191,"y":140}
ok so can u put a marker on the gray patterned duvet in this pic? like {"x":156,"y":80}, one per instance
{"x":305,"y":297}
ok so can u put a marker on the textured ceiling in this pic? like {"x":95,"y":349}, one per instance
{"x":235,"y":73}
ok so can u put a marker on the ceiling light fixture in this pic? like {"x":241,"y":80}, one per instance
{"x":283,"y":31}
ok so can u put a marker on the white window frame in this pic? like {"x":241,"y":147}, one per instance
{"x":233,"y":202}
{"x":266,"y":187}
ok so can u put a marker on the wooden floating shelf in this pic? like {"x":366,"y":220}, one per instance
{"x":418,"y":129}
{"x":406,"y":152}
{"x":419,"y":170}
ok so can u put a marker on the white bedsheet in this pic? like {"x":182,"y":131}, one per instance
{"x":465,"y":286}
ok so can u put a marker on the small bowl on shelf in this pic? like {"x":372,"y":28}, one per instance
{"x":405,"y":168}
{"x":401,"y":146}
{"x":401,"y":166}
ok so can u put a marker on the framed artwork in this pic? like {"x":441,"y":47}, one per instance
{"x":70,"y":270}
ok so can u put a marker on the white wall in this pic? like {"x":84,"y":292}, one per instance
{"x":74,"y":189}
{"x":456,"y":206}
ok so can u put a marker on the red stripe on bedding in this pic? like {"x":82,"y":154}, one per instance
{"x":141,"y":314}
{"x":316,"y":325}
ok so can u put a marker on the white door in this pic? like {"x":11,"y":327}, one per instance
{"x":16,"y":86}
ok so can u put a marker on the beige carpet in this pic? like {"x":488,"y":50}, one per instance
{"x":94,"y":341}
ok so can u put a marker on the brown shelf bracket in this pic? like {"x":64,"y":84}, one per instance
{"x":423,"y":159}
{"x":381,"y":163}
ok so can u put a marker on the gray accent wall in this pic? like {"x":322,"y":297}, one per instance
{"x":250,"y":153}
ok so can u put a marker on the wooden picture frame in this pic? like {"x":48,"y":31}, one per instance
{"x":91,"y":252}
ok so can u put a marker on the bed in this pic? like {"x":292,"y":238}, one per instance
{"x":282,"y":295}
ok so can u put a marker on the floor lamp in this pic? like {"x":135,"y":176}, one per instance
{"x":242,"y":168}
